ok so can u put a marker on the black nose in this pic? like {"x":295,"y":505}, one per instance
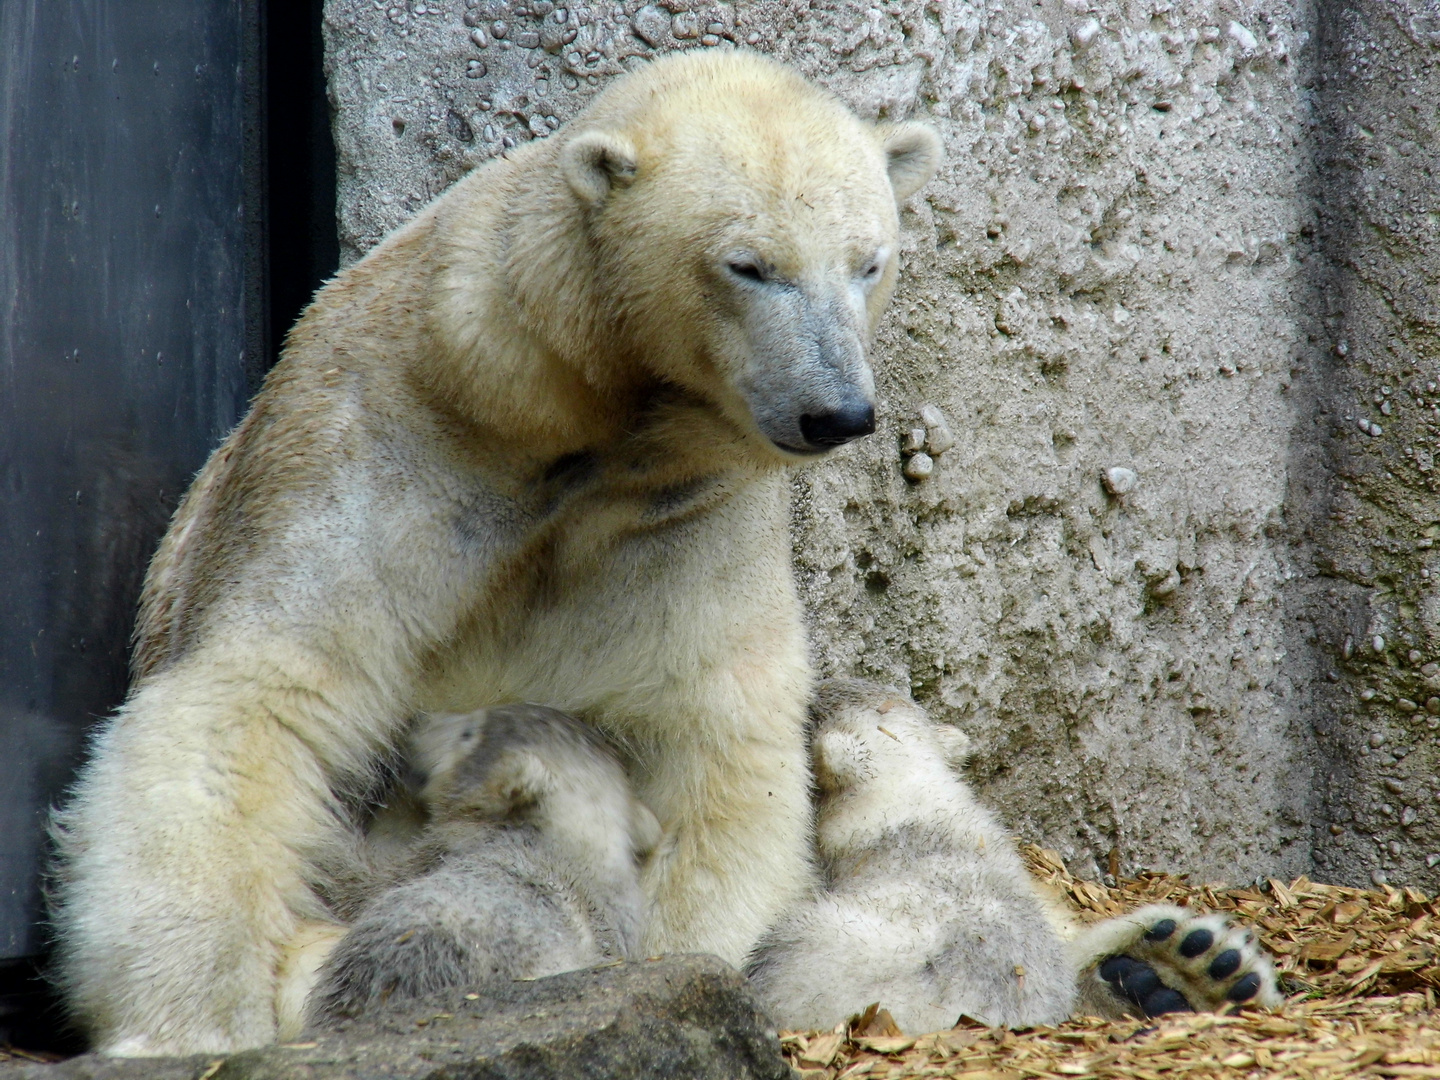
{"x":839,"y":427}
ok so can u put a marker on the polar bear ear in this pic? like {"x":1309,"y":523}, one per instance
{"x":913,"y":152}
{"x":517,"y":782}
{"x":840,"y":761}
{"x":955,"y":745}
{"x":594,"y":162}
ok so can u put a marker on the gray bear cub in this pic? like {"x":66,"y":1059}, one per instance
{"x":927,"y":907}
{"x":926,"y":904}
{"x":529,"y":865}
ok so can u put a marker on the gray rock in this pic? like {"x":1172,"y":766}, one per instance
{"x":674,"y":1018}
{"x":652,"y":24}
{"x":1120,"y":480}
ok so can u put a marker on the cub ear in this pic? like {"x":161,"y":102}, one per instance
{"x":517,"y":782}
{"x":841,"y":761}
{"x":955,"y":745}
{"x":439,"y":743}
{"x":595,"y":162}
{"x":913,"y":152}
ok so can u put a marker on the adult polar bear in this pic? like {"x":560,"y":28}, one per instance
{"x":531,"y":448}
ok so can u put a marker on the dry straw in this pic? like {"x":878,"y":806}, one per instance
{"x":1360,"y":967}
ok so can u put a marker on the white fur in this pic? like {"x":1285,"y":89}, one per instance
{"x":530,"y":866}
{"x":927,"y":908}
{"x":531,"y":448}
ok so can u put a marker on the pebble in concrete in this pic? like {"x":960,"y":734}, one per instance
{"x":922,"y":445}
{"x":938,"y":437}
{"x":1119,"y":480}
{"x":919,"y":466}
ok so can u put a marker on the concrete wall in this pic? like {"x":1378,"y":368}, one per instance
{"x":1133,"y":574}
{"x":1363,"y":504}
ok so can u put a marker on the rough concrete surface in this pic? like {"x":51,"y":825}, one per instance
{"x":680,"y":1018}
{"x":1177,"y":252}
{"x":1365,"y":502}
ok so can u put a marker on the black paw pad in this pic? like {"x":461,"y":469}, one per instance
{"x":1161,"y":930}
{"x":1225,"y":965}
{"x":1164,"y":1001}
{"x":1195,"y":943}
{"x":1137,"y":982}
{"x":1113,"y":967}
{"x":1245,"y":989}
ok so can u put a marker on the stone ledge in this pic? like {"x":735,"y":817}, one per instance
{"x":676,"y":1018}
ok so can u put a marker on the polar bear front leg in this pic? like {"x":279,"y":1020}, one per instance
{"x":732,"y":790}
{"x":1162,"y":958}
{"x":183,"y":883}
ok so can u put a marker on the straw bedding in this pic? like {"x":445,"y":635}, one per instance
{"x":1361,"y":967}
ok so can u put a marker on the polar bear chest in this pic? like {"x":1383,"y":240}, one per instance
{"x":606,"y":613}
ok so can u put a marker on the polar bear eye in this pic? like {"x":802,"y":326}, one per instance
{"x":746,"y":268}
{"x":874,"y":267}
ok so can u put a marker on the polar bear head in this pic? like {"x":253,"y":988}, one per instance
{"x":531,"y":764}
{"x":743,"y":226}
{"x":868,"y":734}
{"x":880,"y":762}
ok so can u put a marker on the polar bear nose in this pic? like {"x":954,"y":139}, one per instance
{"x":829,"y":429}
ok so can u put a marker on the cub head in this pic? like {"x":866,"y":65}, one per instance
{"x":528,"y":764}
{"x":744,"y":225}
{"x":874,"y":742}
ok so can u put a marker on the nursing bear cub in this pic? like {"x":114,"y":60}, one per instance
{"x":529,"y":866}
{"x":926,"y":907}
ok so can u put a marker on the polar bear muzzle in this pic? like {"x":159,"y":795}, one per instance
{"x":804,"y":375}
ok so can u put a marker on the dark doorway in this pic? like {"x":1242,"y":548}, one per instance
{"x":300,"y":163}
{"x":166,"y":209}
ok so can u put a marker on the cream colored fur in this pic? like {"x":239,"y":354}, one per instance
{"x":532,"y":448}
{"x":926,"y":907}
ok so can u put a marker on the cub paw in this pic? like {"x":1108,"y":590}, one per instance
{"x":1163,"y":959}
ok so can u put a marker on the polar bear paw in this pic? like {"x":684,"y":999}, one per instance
{"x":1161,"y":958}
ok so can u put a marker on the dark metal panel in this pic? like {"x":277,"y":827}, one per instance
{"x":129,"y":344}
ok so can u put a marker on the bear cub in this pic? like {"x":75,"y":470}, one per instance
{"x":529,"y":865}
{"x":926,"y":905}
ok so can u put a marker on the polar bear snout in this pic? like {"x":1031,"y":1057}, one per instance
{"x":807,"y":380}
{"x":815,"y":414}
{"x":837,"y":427}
